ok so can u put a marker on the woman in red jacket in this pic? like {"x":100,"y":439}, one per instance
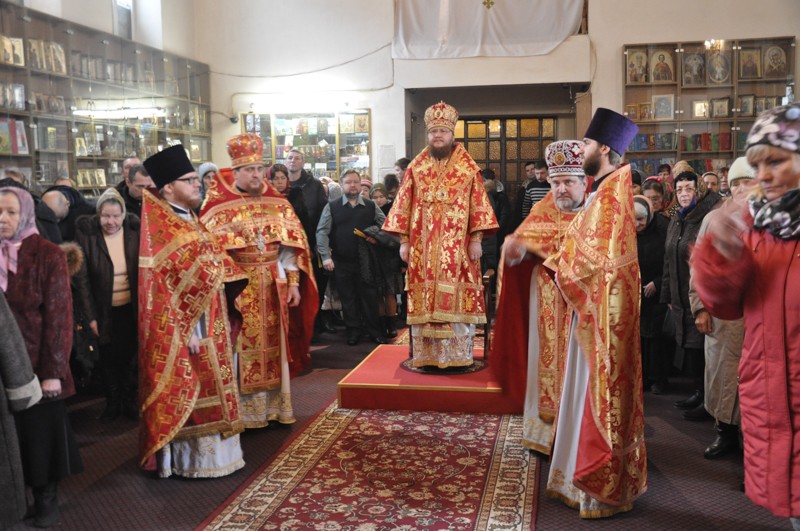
{"x":34,"y":277}
{"x":748,"y":265}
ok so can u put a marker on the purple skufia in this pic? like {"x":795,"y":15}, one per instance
{"x":611,"y":129}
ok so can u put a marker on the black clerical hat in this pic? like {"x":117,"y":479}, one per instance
{"x":168,"y":165}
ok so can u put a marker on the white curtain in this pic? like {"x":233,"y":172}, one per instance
{"x":438,"y":29}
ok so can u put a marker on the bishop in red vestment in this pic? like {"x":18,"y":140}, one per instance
{"x":441,"y":214}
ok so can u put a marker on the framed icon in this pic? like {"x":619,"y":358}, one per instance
{"x":361,"y":123}
{"x":346,"y":123}
{"x":632,"y":111}
{"x":35,"y":59}
{"x":645,"y":111}
{"x":636,"y":66}
{"x":80,"y":147}
{"x":664,"y":107}
{"x":100,"y":177}
{"x":700,"y":109}
{"x":750,"y":63}
{"x":774,"y":62}
{"x":6,"y":50}
{"x":718,"y":67}
{"x":17,"y":51}
{"x":694,"y":69}
{"x":746,"y":105}
{"x":662,"y":66}
{"x":759,"y":105}
{"x":720,"y":107}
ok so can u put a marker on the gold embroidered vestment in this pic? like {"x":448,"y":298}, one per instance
{"x":439,"y":207}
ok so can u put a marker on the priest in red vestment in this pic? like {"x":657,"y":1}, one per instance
{"x":441,"y":214}
{"x":262,"y":233}
{"x":189,"y":402}
{"x":533,"y":319}
{"x":598,"y":464}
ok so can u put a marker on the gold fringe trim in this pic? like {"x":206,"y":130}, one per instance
{"x":544,"y":450}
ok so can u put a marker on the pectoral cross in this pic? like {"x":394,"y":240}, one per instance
{"x":261,"y":243}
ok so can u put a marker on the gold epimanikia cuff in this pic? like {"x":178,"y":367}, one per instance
{"x":294,"y":278}
{"x":476,"y":237}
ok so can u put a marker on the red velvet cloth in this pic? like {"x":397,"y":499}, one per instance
{"x":510,"y":341}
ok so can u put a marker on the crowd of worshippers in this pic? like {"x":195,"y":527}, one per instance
{"x":715,"y":261}
{"x":235,"y":271}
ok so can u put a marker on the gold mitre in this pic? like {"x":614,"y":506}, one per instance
{"x":441,"y":115}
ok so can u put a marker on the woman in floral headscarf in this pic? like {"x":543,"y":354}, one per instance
{"x":748,"y":264}
{"x":34,"y":277}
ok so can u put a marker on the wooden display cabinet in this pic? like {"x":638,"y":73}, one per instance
{"x":83,"y":100}
{"x":330,"y":142}
{"x":696,"y":101}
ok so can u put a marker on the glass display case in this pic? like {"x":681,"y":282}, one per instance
{"x":78,"y":101}
{"x":696,"y":101}
{"x":330,"y":142}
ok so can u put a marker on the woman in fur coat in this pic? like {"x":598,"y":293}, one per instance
{"x":34,"y":277}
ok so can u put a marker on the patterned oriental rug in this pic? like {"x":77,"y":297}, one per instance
{"x":372,"y":469}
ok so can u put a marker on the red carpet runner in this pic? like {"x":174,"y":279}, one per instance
{"x":366,"y":469}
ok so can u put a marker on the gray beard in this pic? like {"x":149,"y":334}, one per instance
{"x":568,"y":205}
{"x":442,"y":153}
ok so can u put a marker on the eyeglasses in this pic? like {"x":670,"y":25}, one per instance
{"x":190,"y":180}
{"x":685,"y":189}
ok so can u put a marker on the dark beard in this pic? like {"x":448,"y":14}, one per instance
{"x":591,"y":167}
{"x":352,"y":196}
{"x":442,"y":153}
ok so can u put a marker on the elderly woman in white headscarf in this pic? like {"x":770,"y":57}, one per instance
{"x":110,"y":243}
{"x":748,"y":264}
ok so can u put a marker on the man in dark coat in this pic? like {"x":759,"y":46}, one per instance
{"x":135,"y":183}
{"x":336,"y":240}
{"x":68,"y":204}
{"x":315,"y":200}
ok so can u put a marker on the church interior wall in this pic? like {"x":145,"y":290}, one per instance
{"x":272,"y":56}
